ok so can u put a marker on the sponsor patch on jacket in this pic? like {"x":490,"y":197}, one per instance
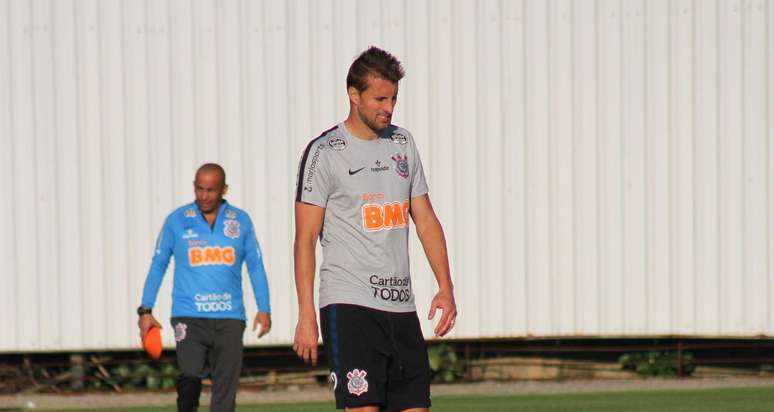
{"x":189,"y":234}
{"x":211,"y":256}
{"x":337,"y":143}
{"x":398,"y":138}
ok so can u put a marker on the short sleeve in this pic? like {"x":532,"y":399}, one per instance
{"x":314,"y":178}
{"x":418,"y":182}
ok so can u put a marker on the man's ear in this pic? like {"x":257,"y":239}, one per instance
{"x":354,"y":95}
{"x":225,"y":190}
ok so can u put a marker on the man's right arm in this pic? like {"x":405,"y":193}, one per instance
{"x":161,"y":255}
{"x":309,"y":221}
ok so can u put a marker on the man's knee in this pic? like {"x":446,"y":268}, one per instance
{"x":189,"y":382}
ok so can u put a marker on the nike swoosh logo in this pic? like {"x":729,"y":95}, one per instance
{"x":352,"y":172}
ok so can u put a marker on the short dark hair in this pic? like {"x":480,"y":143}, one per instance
{"x":375,"y":62}
{"x":209,"y":167}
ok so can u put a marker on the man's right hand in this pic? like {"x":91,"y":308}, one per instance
{"x":305,"y":341}
{"x":145,"y":322}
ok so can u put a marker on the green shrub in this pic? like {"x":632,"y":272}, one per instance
{"x":143,"y":376}
{"x":445,"y":365}
{"x":656,"y":363}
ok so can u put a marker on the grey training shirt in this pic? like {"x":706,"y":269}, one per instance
{"x":365,"y":187}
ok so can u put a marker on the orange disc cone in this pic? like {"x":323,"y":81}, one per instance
{"x":152,"y":342}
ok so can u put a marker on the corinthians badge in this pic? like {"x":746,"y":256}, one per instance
{"x":231,"y":228}
{"x":401,"y":165}
{"x":357,"y":383}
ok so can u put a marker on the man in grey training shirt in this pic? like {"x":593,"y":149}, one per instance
{"x":358,"y":185}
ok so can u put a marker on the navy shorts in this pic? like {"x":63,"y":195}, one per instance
{"x":376,"y":357}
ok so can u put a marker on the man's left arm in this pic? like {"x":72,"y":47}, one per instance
{"x":254,"y":262}
{"x":433,"y":241}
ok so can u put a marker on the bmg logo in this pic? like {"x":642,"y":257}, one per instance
{"x":211,"y":255}
{"x":391,"y":215}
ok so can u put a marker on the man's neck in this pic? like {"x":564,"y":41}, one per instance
{"x":357,"y":128}
{"x":211,"y":216}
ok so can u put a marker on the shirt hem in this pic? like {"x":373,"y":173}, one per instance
{"x":404,"y":309}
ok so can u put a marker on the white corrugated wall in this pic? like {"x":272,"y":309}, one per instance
{"x":601,"y":168}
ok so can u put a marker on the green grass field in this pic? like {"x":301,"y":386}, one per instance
{"x":758,"y":399}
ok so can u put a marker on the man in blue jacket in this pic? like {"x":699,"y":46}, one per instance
{"x":209,"y":239}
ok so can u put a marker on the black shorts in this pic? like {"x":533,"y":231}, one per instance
{"x":376,"y":357}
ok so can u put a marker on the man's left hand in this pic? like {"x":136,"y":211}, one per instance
{"x":265,"y":320}
{"x":444,"y":300}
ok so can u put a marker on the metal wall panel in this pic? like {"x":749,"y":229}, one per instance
{"x":601,"y":168}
